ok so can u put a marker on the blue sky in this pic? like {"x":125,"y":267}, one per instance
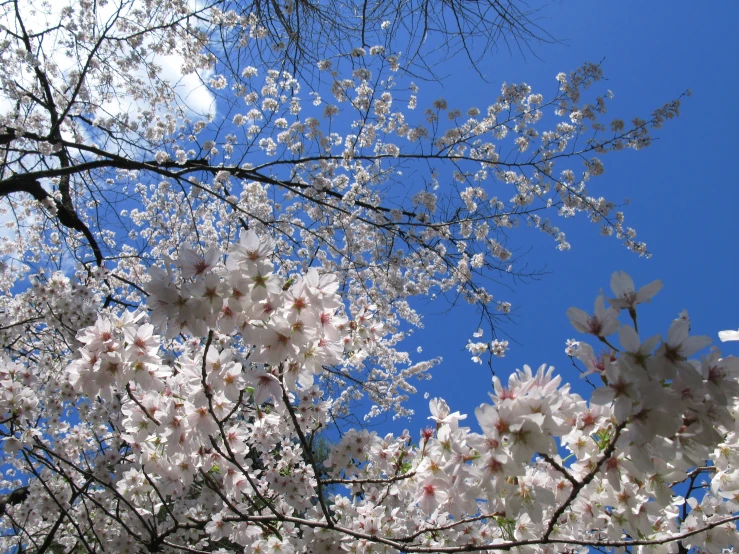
{"x":683,"y":189}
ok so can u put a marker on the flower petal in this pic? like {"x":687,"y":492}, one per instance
{"x":728,"y":335}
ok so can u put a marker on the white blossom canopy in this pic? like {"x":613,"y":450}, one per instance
{"x":209,"y":265}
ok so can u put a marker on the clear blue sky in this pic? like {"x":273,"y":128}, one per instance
{"x":684,"y":188}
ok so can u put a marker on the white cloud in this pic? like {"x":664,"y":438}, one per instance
{"x":111,"y":91}
{"x":63,"y":52}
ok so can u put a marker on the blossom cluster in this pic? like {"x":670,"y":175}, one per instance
{"x":495,"y":347}
{"x":161,"y":397}
{"x":205,"y":437}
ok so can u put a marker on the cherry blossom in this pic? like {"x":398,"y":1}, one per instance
{"x":602,"y":324}
{"x":626,"y":297}
{"x":215,"y":272}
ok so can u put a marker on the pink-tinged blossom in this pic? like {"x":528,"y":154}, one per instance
{"x":229,"y":315}
{"x":294,"y":374}
{"x":264,"y":284}
{"x":278,"y":341}
{"x":531,"y":496}
{"x":602,"y":324}
{"x":635,"y":352}
{"x":323,"y":288}
{"x":99,"y":337}
{"x":141,"y":340}
{"x":442,"y":415}
{"x":265,"y":386}
{"x":252,"y":253}
{"x":622,"y":388}
{"x":298,"y":299}
{"x":332,"y":325}
{"x":672,"y":354}
{"x":495,"y":468}
{"x":230,"y":380}
{"x":571,"y":347}
{"x":431,"y":494}
{"x":217,"y":529}
{"x":593,"y":364}
{"x":180,"y":420}
{"x":626,"y":296}
{"x":477,"y":349}
{"x":494,"y":423}
{"x":721,"y":376}
{"x":658,"y":483}
{"x":214,"y":291}
{"x":200,"y":419}
{"x":194,"y":265}
{"x":527,"y":437}
{"x":303,"y":326}
{"x":321,"y":353}
{"x":655,"y":414}
{"x":166,"y":301}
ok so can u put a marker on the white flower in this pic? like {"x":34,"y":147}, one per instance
{"x":571,"y":347}
{"x":476,"y":349}
{"x":278,"y":341}
{"x":673,"y":353}
{"x":218,"y":82}
{"x":623,"y":389}
{"x":626,"y":297}
{"x":441,"y":414}
{"x":499,"y":347}
{"x":266,"y":386}
{"x":602,"y":324}
{"x":193,"y":264}
{"x":431,"y":494}
{"x":252,"y":253}
{"x":636,"y":353}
